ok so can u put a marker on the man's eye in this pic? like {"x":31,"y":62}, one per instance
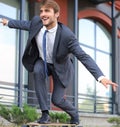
{"x":47,"y":10}
{"x":40,"y":12}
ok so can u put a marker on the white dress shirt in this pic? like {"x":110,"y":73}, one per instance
{"x":50,"y":39}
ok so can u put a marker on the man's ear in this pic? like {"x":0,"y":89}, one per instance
{"x":57,"y":14}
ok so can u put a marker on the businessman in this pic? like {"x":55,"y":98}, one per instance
{"x":54,"y":58}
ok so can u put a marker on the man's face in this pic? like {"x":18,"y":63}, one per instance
{"x":48,"y":17}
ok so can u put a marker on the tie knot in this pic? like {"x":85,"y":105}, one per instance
{"x":45,"y":31}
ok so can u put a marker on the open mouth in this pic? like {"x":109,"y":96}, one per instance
{"x":44,"y":19}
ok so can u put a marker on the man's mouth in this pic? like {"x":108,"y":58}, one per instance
{"x":44,"y":19}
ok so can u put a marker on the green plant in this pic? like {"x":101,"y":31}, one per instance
{"x":27,"y":114}
{"x":59,"y":117}
{"x":5,"y":112}
{"x":115,"y":121}
{"x":19,"y":115}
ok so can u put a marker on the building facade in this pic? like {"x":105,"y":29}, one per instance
{"x":95,"y":24}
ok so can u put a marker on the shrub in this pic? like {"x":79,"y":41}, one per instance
{"x":5,"y":112}
{"x":27,"y":114}
{"x":19,"y":115}
{"x":115,"y":121}
{"x":59,"y":117}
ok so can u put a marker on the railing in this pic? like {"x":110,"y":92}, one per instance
{"x":94,"y":104}
{"x":9,"y":96}
{"x":86,"y":103}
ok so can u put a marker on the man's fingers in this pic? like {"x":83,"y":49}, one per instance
{"x":114,"y":85}
{"x":114,"y":88}
{"x":1,"y":20}
{"x":109,"y":82}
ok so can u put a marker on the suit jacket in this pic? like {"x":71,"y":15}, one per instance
{"x":65,"y":44}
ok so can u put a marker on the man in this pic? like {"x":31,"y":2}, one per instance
{"x":60,"y":43}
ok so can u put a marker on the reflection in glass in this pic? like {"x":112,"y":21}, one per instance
{"x":8,"y":10}
{"x":85,"y":86}
{"x":86,"y":32}
{"x":104,"y":62}
{"x":95,"y":40}
{"x":102,"y":39}
{"x":9,"y":52}
{"x":8,"y":43}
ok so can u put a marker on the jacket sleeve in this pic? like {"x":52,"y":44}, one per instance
{"x":84,"y":58}
{"x":23,"y":24}
{"x":19,"y":24}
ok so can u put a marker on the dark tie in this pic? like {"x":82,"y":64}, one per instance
{"x":44,"y":52}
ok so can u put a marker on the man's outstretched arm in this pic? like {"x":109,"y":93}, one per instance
{"x":17,"y":24}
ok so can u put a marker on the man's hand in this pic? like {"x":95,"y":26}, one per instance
{"x":4,"y":21}
{"x":107,"y":82}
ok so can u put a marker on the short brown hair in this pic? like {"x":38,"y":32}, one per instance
{"x":50,"y":3}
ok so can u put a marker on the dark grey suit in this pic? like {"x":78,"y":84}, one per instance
{"x":65,"y":44}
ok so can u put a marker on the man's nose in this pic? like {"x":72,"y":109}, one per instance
{"x":42,"y":14}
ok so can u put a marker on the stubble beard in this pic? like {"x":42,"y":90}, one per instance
{"x":50,"y":24}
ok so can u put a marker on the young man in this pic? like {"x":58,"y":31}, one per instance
{"x":60,"y":43}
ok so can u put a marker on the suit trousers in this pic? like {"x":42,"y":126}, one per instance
{"x":57,"y":98}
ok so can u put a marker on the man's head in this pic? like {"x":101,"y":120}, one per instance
{"x":50,"y":4}
{"x":49,"y":13}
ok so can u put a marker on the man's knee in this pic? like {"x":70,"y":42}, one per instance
{"x":58,"y":101}
{"x":38,"y":68}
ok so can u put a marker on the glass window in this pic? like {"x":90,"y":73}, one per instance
{"x":9,"y":51}
{"x":83,"y":73}
{"x":8,"y":43}
{"x":102,"y":38}
{"x":86,"y":32}
{"x":95,"y":41}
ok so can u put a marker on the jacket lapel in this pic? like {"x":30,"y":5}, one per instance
{"x":57,"y":41}
{"x":35,"y":29}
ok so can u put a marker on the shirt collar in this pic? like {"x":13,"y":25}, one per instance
{"x":51,"y":30}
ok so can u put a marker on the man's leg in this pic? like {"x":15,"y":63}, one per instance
{"x":59,"y":100}
{"x":41,"y":90}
